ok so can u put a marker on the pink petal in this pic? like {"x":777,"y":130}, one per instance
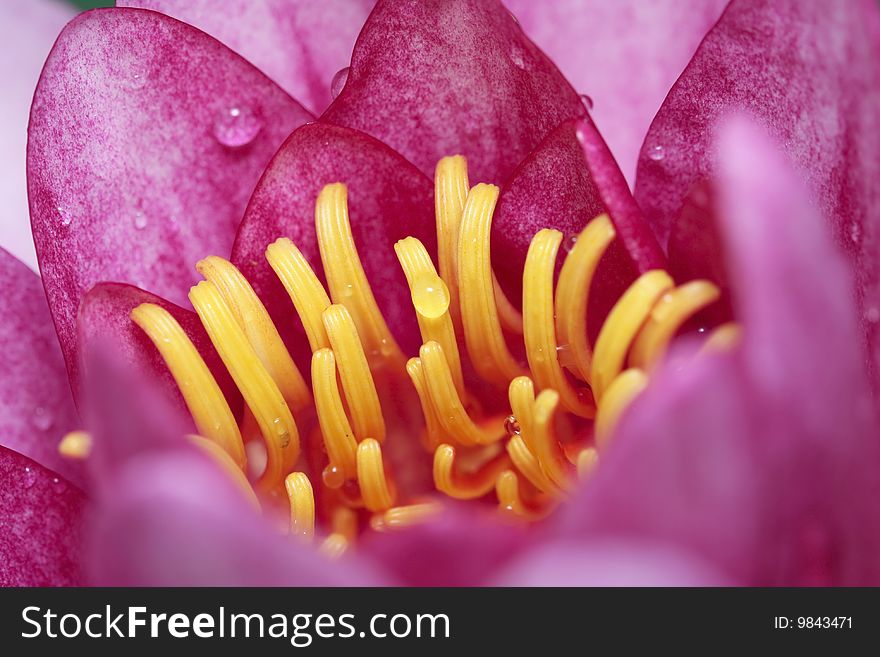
{"x":764,"y":461}
{"x":27,"y":29}
{"x":300,"y":44}
{"x":435,"y":78}
{"x":609,"y":562}
{"x":809,"y":72}
{"x":36,"y":408}
{"x":128,"y":178}
{"x":104,"y":319}
{"x":39,"y":524}
{"x":388,"y":197}
{"x":624,"y":55}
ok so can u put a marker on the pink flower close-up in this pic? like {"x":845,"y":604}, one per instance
{"x":442,"y":292}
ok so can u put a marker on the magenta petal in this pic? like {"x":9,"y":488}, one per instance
{"x":36,"y":408}
{"x":609,"y":562}
{"x":105,"y":319}
{"x":436,"y":78}
{"x":388,"y":199}
{"x":40,"y":516}
{"x":625,"y":55}
{"x":300,"y":44}
{"x":137,"y":167}
{"x":809,"y":72}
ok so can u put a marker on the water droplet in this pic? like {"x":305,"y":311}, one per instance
{"x":66,"y":217}
{"x":517,"y":56}
{"x":56,"y":481}
{"x":282,"y":432}
{"x":348,"y":290}
{"x":430,"y":296}
{"x":568,"y":245}
{"x":855,"y":233}
{"x":136,"y":80}
{"x":511,"y":426}
{"x":337,"y":84}
{"x":872,"y":314}
{"x":29,"y":478}
{"x":333,"y":477}
{"x":236,"y":127}
{"x":140,"y":220}
{"x":656,"y":153}
{"x":42,"y":418}
{"x":587,"y":102}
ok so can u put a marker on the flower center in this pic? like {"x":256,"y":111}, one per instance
{"x":564,"y":400}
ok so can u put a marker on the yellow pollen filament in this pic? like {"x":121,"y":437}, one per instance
{"x":482,"y":327}
{"x":521,"y":394}
{"x":302,"y":505}
{"x":507,"y":489}
{"x":622,"y":325}
{"x":338,"y":436}
{"x":667,"y":316}
{"x":254,"y":320}
{"x":354,"y":372}
{"x":203,"y":397}
{"x":450,"y":193}
{"x":344,"y":524}
{"x":346,"y":279}
{"x":466,"y":485}
{"x":401,"y":517}
{"x":573,"y":288}
{"x":375,"y":489}
{"x":723,"y":338}
{"x":540,"y":331}
{"x":587,"y":461}
{"x":431,"y":299}
{"x":256,"y":385}
{"x":222,"y":458}
{"x":306,"y":292}
{"x":528,"y":465}
{"x":450,"y":411}
{"x":433,"y":429}
{"x":547,"y":448}
{"x":620,"y":394}
{"x":75,"y":445}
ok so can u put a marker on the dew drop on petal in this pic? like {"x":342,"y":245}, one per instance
{"x":517,"y":56}
{"x":855,"y":233}
{"x":656,"y":153}
{"x":136,"y":80}
{"x":587,"y":102}
{"x":140,"y":220}
{"x":42,"y":418}
{"x":236,"y":126}
{"x":29,"y":477}
{"x":337,"y":84}
{"x":872,"y":314}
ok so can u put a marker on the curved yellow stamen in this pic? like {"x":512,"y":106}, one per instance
{"x":335,"y":428}
{"x":254,"y":320}
{"x":256,"y":385}
{"x":587,"y":461}
{"x":344,"y":525}
{"x":528,"y":465}
{"x":346,"y":279}
{"x":667,"y":316}
{"x":466,"y":486}
{"x":450,"y":193}
{"x":401,"y":517}
{"x":510,"y":500}
{"x":521,"y":394}
{"x":433,"y":429}
{"x":431,"y":299}
{"x":619,"y":395}
{"x":302,"y":505}
{"x":75,"y":445}
{"x":540,"y":331}
{"x":449,"y":408}
{"x":622,"y":325}
{"x":222,"y":458}
{"x":723,"y":338}
{"x":548,"y":451}
{"x":305,"y":290}
{"x":479,"y":312}
{"x":573,"y":290}
{"x":204,"y":399}
{"x":354,"y":372}
{"x":375,"y":489}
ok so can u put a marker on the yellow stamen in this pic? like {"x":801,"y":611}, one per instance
{"x":256,"y":385}
{"x":667,"y":316}
{"x":723,"y":338}
{"x":449,"y":408}
{"x":401,"y":517}
{"x":302,"y":505}
{"x":521,"y":394}
{"x":254,"y":320}
{"x":203,"y":397}
{"x":450,"y":193}
{"x":337,"y":432}
{"x":573,"y":290}
{"x":354,"y":372}
{"x":470,"y":485}
{"x":620,"y":394}
{"x":431,"y":298}
{"x":344,"y":525}
{"x":76,"y":445}
{"x":346,"y":279}
{"x":547,"y":448}
{"x":306,"y":292}
{"x":587,"y":460}
{"x":222,"y":458}
{"x":540,"y":331}
{"x":375,"y":489}
{"x":482,"y":328}
{"x":507,"y":490}
{"x":528,"y":465}
{"x":433,"y":429}
{"x":622,"y":325}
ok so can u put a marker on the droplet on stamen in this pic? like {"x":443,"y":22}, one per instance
{"x":511,"y":426}
{"x":237,"y":126}
{"x":430,"y":296}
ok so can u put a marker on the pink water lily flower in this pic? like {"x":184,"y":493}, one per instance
{"x":395,"y":371}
